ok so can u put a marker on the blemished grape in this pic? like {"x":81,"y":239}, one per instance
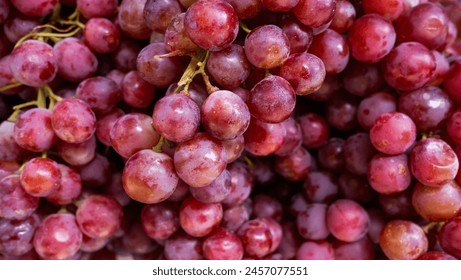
{"x":230,"y":129}
{"x":34,"y":63}
{"x":73,"y":120}
{"x":75,"y":61}
{"x":40,"y":177}
{"x":131,"y":133}
{"x":393,"y":133}
{"x":403,"y":240}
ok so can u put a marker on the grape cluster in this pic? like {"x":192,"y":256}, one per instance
{"x":230,"y":129}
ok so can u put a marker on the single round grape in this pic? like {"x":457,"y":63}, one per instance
{"x":199,"y":219}
{"x":36,"y":8}
{"x":200,"y":161}
{"x":133,"y":132}
{"x":426,"y":23}
{"x":225,"y":115}
{"x":449,"y":237}
{"x":176,"y":38}
{"x":149,"y":177}
{"x":262,"y":138}
{"x":371,"y":37}
{"x":159,"y":13}
{"x":347,"y":220}
{"x":408,"y":66}
{"x":267,"y":46}
{"x":101,"y":35}
{"x":33,"y":130}
{"x":76,"y":61}
{"x":429,"y":107}
{"x":160,"y":72}
{"x":176,"y":117}
{"x":389,"y":174}
{"x":40,"y":177}
{"x":343,"y":17}
{"x":393,"y":133}
{"x":272,"y":100}
{"x":315,"y":13}
{"x":73,"y":120}
{"x":212,"y":25}
{"x":15,"y":202}
{"x":101,"y":93}
{"x":403,"y":240}
{"x":58,"y":237}
{"x":299,"y":36}
{"x":34,"y":63}
{"x":222,"y":245}
{"x":315,"y":130}
{"x":259,"y":238}
{"x":332,"y":49}
{"x":235,"y":216}
{"x":131,"y":19}
{"x":433,"y":162}
{"x":160,"y":220}
{"x":229,"y":67}
{"x":99,"y":216}
{"x":436,"y":204}
{"x":136,"y":92}
{"x":304,"y":71}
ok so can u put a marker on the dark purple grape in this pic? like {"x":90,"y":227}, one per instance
{"x":449,"y":237}
{"x":159,"y":13}
{"x":131,"y":19}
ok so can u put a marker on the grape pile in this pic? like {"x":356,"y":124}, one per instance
{"x":230,"y":129}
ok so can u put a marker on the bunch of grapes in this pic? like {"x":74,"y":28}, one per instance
{"x":230,"y":129}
